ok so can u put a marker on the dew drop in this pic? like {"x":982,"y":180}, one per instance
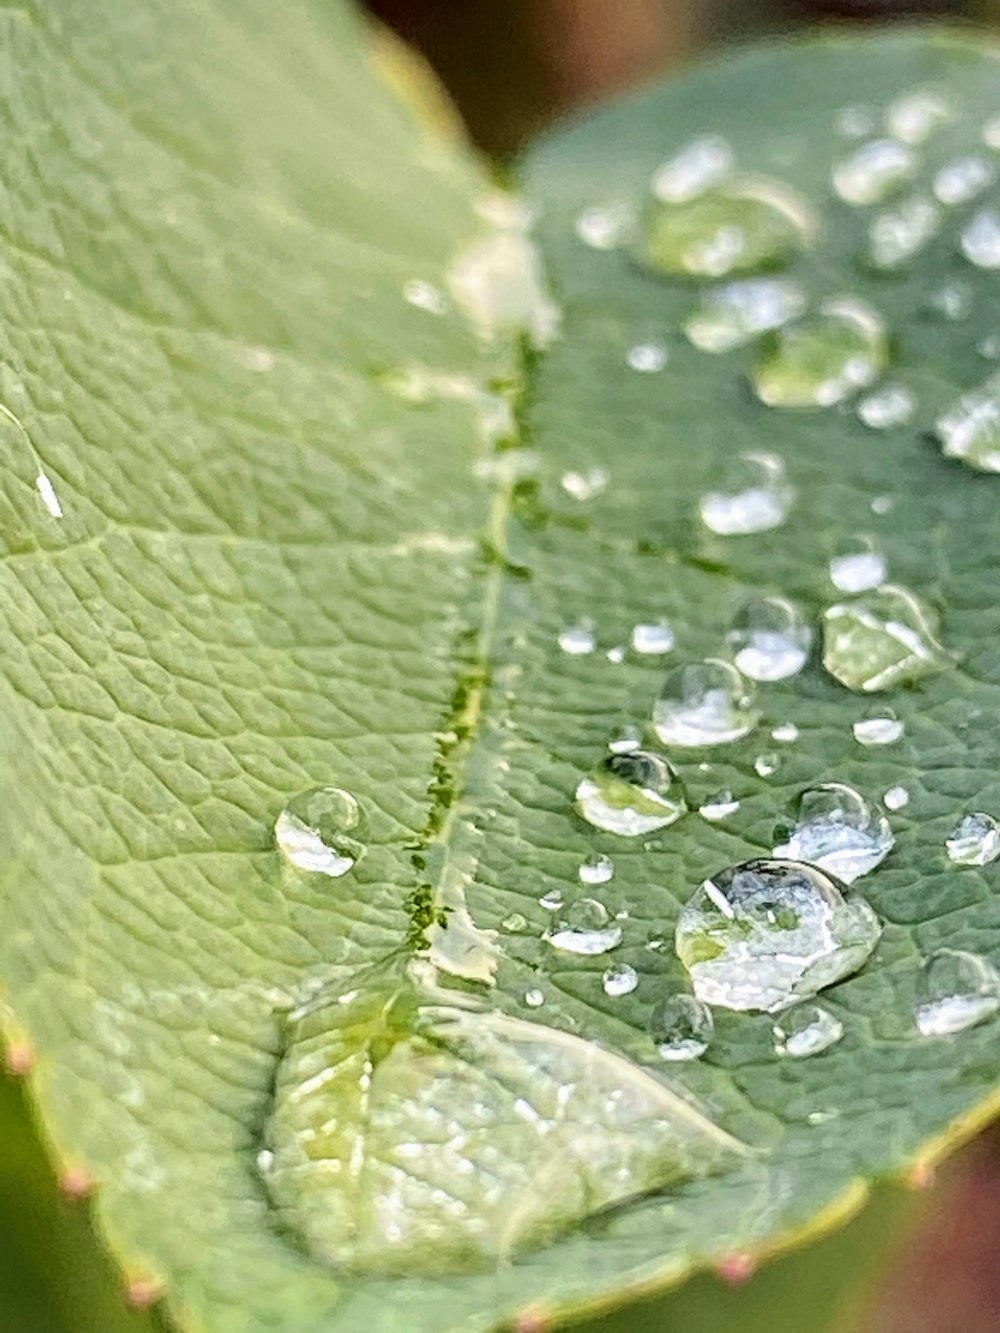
{"x":970,"y":428}
{"x":586,"y":929}
{"x":587,"y":485}
{"x":596,"y":869}
{"x":631,"y":794}
{"x":704,"y":703}
{"x":578,"y":640}
{"x":770,"y":639}
{"x":654,"y":638}
{"x":621,"y":979}
{"x":915,"y":115}
{"x":956,"y":990}
{"x":766,"y":764}
{"x":515,"y":923}
{"x":786,"y":733}
{"x":854,"y":122}
{"x":963,"y":178}
{"x":989,"y":347}
{"x":625,"y":739}
{"x":896,"y":798}
{"x":498,"y":284}
{"x":318,"y":831}
{"x":534,"y":998}
{"x":874,"y":171}
{"x":897,"y":235}
{"x":881,"y":504}
{"x":425,"y":296}
{"x":890,"y":406}
{"x":681,"y":1026}
{"x":974,"y":841}
{"x":824,"y":358}
{"x":719,"y":806}
{"x":806,"y":1030}
{"x":833,"y":827}
{"x":736,"y":313}
{"x":881,"y":639}
{"x":700,"y":164}
{"x":879,"y":727}
{"x":980,"y":239}
{"x":991,"y":133}
{"x":953,"y":301}
{"x":616,"y":654}
{"x":606,"y":226}
{"x":765,"y":933}
{"x":858,"y":566}
{"x":753,"y":496}
{"x":647,"y":358}
{"x":551,"y":901}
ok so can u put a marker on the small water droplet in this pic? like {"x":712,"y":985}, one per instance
{"x":881,"y":504}
{"x":974,"y":841}
{"x":824,"y":358}
{"x":736,"y":313}
{"x":653,"y":638}
{"x":719,"y":806}
{"x":963,"y":178}
{"x":897,"y":235}
{"x":989,"y":347}
{"x":631,"y":794}
{"x":534,"y":998}
{"x":878,"y":727}
{"x":765,"y":933}
{"x":770,"y":639}
{"x":858,"y":565}
{"x":621,"y":979}
{"x":578,"y":640}
{"x":318,"y":831}
{"x":854,"y":122}
{"x":896,"y":798}
{"x":980,"y":239}
{"x":753,"y":496}
{"x":596,"y":869}
{"x":970,"y":428}
{"x":681,"y":1027}
{"x":626,"y":738}
{"x":586,"y":928}
{"x":606,"y":226}
{"x":616,"y":654}
{"x":766,"y":764}
{"x":786,"y":733}
{"x":991,"y":133}
{"x":704,"y":703}
{"x":515,"y":923}
{"x":890,"y":406}
{"x":874,"y":171}
{"x":44,"y":487}
{"x":647,"y":358}
{"x":806,"y":1030}
{"x":585,"y":485}
{"x":498,"y":283}
{"x":881,"y":639}
{"x":956,"y":990}
{"x":953,"y":301}
{"x":832,"y":826}
{"x":700,"y":164}
{"x":551,"y":901}
{"x":913,"y":116}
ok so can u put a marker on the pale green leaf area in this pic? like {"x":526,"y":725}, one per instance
{"x":288,"y":558}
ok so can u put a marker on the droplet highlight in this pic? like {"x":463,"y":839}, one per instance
{"x":963,"y":179}
{"x":980,"y":239}
{"x":874,"y":171}
{"x":734,"y":314}
{"x":621,"y":979}
{"x":858,"y":566}
{"x":652,"y":638}
{"x":880,"y":727}
{"x":888,"y":408}
{"x":969,"y":429}
{"x":700,"y":164}
{"x":898,"y":234}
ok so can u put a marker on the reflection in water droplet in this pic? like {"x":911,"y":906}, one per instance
{"x":913,"y":116}
{"x":655,"y":638}
{"x":896,"y":798}
{"x":874,"y":171}
{"x":753,"y":496}
{"x":701,"y":163}
{"x":621,"y":979}
{"x":980,"y":239}
{"x":606,"y":226}
{"x":896,"y":235}
{"x":736,"y":228}
{"x":806,"y":1030}
{"x":970,"y":428}
{"x":956,"y":990}
{"x":681,"y":1027}
{"x":770,"y":639}
{"x":974,"y":841}
{"x":889,"y":406}
{"x":647,"y":358}
{"x":425,"y":296}
{"x":881,"y":639}
{"x":734,"y":314}
{"x":963,"y":178}
{"x":720,"y":806}
{"x":578,"y":640}
{"x":704,"y":703}
{"x":786,"y":733}
{"x":318,"y":831}
{"x":596,"y":869}
{"x":825,"y":358}
{"x":764,"y":934}
{"x":858,"y":565}
{"x":625,"y":738}
{"x":766,"y":764}
{"x":631,"y":794}
{"x":832,"y":826}
{"x":879,"y":727}
{"x":586,"y":929}
{"x":854,"y":122}
{"x":534,"y":998}
{"x":585,"y":485}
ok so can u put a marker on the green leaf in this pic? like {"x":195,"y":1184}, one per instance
{"x":302,"y":543}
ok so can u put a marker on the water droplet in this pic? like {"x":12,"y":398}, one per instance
{"x":974,"y":841}
{"x":616,"y":654}
{"x":719,"y":806}
{"x":534,"y":998}
{"x":425,"y":296}
{"x":854,"y":122}
{"x":766,"y":764}
{"x":733,"y":315}
{"x":989,"y":347}
{"x":786,"y":733}
{"x":318,"y":831}
{"x":515,"y":924}
{"x":578,"y":640}
{"x":631,"y":794}
{"x":754,"y":496}
{"x":824,"y":358}
{"x":896,"y":235}
{"x":704,"y":703}
{"x":881,"y":504}
{"x":956,"y":990}
{"x":858,"y":565}
{"x":586,"y":928}
{"x":735,"y":228}
{"x":700,"y":164}
{"x":890,"y":406}
{"x":991,"y":133}
{"x":915,"y":115}
{"x":881,"y":639}
{"x":879,"y":727}
{"x":896,"y":798}
{"x":953,"y":301}
{"x":606,"y":226}
{"x":585,"y":485}
{"x":498,"y":283}
{"x":874,"y":171}
{"x":648,"y":358}
{"x":626,"y":738}
{"x":653,"y":638}
{"x":764,"y":934}
{"x":980,"y":239}
{"x":621,"y":979}
{"x":551,"y":901}
{"x":832,"y":826}
{"x":963,"y":178}
{"x":681,"y":1027}
{"x":770,"y":639}
{"x":596,"y":869}
{"x":970,"y":428}
{"x":806,"y":1030}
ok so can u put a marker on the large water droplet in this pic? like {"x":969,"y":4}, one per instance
{"x":586,"y":928}
{"x":770,"y":639}
{"x":890,"y":406}
{"x":874,"y":171}
{"x":956,"y":991}
{"x":913,"y":116}
{"x":970,"y":428}
{"x":881,"y":639}
{"x":318,"y":831}
{"x":747,"y":224}
{"x":974,"y":841}
{"x":980,"y":239}
{"x":620,"y":979}
{"x":700,"y":164}
{"x":806,"y":1030}
{"x":578,"y":640}
{"x":753,"y":496}
{"x":825,"y":358}
{"x":896,"y":235}
{"x":963,"y":178}
{"x":631,"y":794}
{"x":681,"y":1026}
{"x":878,"y":727}
{"x":832,"y":826}
{"x":764,"y":934}
{"x":719,"y":806}
{"x":596,"y":869}
{"x":654,"y":638}
{"x":858,"y":565}
{"x":704,"y":703}
{"x":738,"y":312}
